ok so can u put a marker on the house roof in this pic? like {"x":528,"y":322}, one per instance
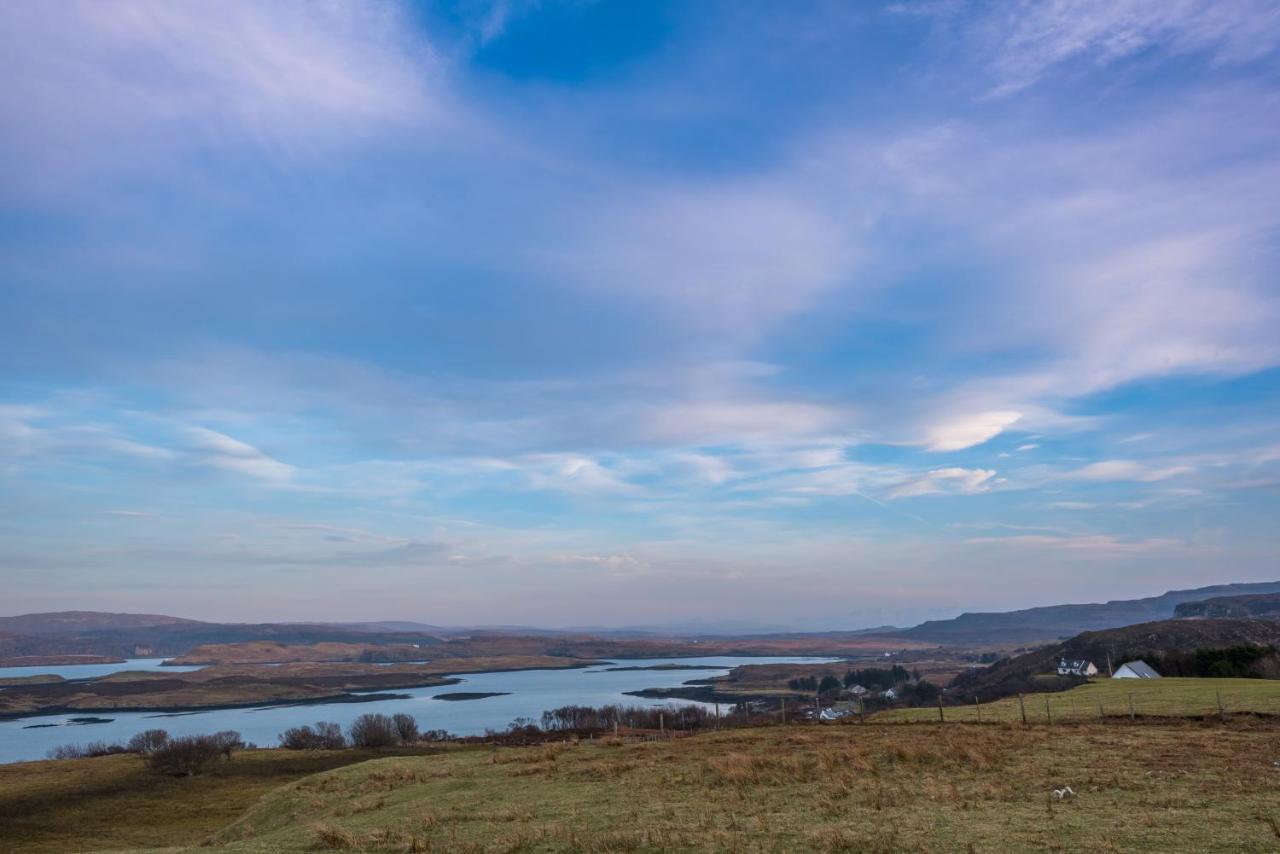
{"x":1140,"y":668}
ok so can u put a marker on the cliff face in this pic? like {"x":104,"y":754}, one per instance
{"x":1052,"y":622}
{"x":1264,"y":606}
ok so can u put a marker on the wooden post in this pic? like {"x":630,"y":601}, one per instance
{"x":862,"y":709}
{"x":1101,"y":713}
{"x":1222,"y":713}
{"x":615,"y":727}
{"x":784,"y":710}
{"x":1048,"y":715}
{"x":717,"y":716}
{"x":1022,"y":708}
{"x":1133,"y":713}
{"x":1073,"y":708}
{"x":662,"y":723}
{"x":941,"y":718}
{"x":978,"y":706}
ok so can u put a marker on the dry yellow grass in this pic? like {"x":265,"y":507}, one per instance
{"x":1153,"y":787}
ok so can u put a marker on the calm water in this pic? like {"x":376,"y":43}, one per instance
{"x":530,"y":692}
{"x":88,"y":671}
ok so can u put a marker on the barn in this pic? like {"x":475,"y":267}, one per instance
{"x":1137,"y":669}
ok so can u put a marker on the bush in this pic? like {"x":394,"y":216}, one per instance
{"x":325,"y":736}
{"x":148,"y":741}
{"x":86,"y":751}
{"x":228,"y":741}
{"x":374,"y":731}
{"x":189,"y":755}
{"x":435,"y":735}
{"x":406,"y":727}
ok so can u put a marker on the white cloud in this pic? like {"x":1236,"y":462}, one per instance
{"x":965,"y":431}
{"x":90,"y":82}
{"x":570,"y":473}
{"x":1127,"y":470}
{"x":947,"y":480}
{"x":220,"y":451}
{"x":706,"y":422}
{"x":1028,"y":38}
{"x":734,"y":259}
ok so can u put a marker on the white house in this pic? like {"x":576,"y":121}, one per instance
{"x":1135,"y":670}
{"x":855,"y":690}
{"x":890,"y":695}
{"x":1076,"y":667}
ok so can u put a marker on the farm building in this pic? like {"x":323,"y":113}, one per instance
{"x":1076,"y":667}
{"x":1135,"y":670}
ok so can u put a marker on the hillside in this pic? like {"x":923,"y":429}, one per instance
{"x":1262,"y":606}
{"x":1016,"y":674}
{"x":77,"y":622}
{"x":1052,"y":622}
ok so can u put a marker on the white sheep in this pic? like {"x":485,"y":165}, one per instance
{"x":1064,"y":792}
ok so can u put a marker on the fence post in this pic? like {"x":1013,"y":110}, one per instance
{"x":784,"y":710}
{"x":1073,"y":708}
{"x":941,"y":718}
{"x":1133,"y":713}
{"x":662,"y":723}
{"x":1048,"y":715}
{"x":1022,"y":708}
{"x":1102,"y":715}
{"x":615,"y":727}
{"x":978,"y":705}
{"x":1222,"y":713}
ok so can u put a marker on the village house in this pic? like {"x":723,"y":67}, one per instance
{"x":1076,"y":667}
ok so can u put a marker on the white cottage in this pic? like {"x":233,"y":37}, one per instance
{"x":1076,"y":667}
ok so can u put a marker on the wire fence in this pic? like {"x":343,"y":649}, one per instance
{"x":1107,"y":700}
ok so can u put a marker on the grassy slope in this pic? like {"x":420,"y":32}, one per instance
{"x":1172,"y":786}
{"x":114,"y":802}
{"x":1175,"y":697}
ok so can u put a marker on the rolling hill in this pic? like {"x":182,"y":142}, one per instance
{"x":1020,"y":674}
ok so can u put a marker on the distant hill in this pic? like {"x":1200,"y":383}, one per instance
{"x":1014,"y":675}
{"x":1263,"y":606}
{"x":1052,"y":622}
{"x":76,"y":622}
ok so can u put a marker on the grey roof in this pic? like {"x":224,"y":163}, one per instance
{"x":1140,"y":668}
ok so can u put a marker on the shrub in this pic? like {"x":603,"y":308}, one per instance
{"x":86,"y":751}
{"x":325,"y":736}
{"x":187,"y":756}
{"x":228,"y":741}
{"x":148,"y":741}
{"x":374,"y":731}
{"x":406,"y":727}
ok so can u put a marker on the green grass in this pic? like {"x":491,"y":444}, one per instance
{"x":1152,"y":787}
{"x":1110,"y":697}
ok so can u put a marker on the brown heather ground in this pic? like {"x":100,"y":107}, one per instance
{"x":1145,"y":786}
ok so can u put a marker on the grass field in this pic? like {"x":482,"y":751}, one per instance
{"x":1155,"y":787}
{"x":1110,"y":697}
{"x":1162,"y":786}
{"x":115,"y":802}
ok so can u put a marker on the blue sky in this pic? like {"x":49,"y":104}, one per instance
{"x":580,"y":312}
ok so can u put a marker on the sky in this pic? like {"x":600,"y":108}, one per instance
{"x":814,"y":315}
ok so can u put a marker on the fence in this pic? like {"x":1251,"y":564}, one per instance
{"x":1111,"y":699}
